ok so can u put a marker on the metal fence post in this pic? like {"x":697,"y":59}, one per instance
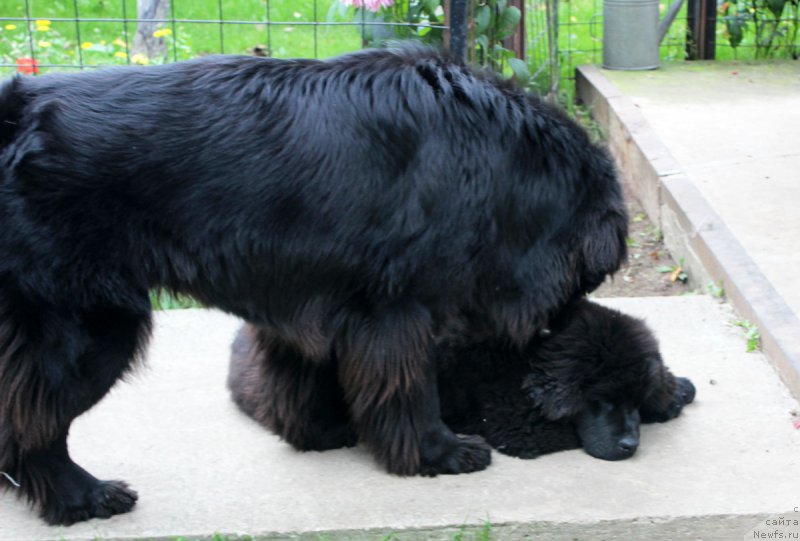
{"x":457,"y":44}
{"x":701,"y":23}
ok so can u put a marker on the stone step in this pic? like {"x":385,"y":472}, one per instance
{"x":720,"y":470}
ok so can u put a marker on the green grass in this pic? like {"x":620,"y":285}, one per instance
{"x":102,"y":43}
{"x":580,"y":39}
{"x":164,"y":300}
{"x":580,"y":31}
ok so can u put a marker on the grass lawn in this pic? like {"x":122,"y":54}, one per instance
{"x":290,"y":34}
{"x":291,"y":31}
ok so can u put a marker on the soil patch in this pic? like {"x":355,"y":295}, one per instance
{"x":650,"y":270}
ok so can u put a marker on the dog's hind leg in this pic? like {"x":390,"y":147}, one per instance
{"x":387,"y":370}
{"x":299,"y":399}
{"x":54,"y":365}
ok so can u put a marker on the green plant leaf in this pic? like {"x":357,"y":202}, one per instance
{"x":483,"y":18}
{"x":508,"y":22}
{"x":501,"y":53}
{"x":520,"y":68}
{"x":776,"y":7}
{"x":430,"y":6}
{"x":752,"y":334}
{"x":716,"y":290}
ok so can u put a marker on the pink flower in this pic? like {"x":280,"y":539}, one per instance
{"x":371,"y":5}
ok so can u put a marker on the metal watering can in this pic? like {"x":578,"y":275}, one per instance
{"x":632,"y":33}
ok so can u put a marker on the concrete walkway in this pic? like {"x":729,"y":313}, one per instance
{"x":713,"y":156}
{"x":711,"y":150}
{"x":735,"y":130}
{"x":200,"y":467}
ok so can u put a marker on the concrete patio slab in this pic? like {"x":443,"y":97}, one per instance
{"x":201,"y":467}
{"x":733,"y":128}
{"x":710,"y":150}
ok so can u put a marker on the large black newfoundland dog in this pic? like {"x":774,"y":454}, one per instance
{"x":365,"y":208}
{"x":588,"y":382}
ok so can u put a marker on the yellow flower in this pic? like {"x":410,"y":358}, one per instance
{"x":42,"y":22}
{"x":42,"y":28}
{"x":119,"y":43}
{"x":11,"y":27}
{"x":161,"y":33}
{"x":86,"y":45}
{"x":120,"y":54}
{"x":44,"y":44}
{"x":139,"y":58}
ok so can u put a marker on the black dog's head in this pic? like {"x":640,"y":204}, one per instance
{"x":602,"y":370}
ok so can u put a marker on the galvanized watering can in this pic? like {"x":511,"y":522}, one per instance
{"x":632,"y":33}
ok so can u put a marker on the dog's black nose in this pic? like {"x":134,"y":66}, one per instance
{"x":628,"y":445}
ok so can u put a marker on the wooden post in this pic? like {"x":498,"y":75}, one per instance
{"x":517,"y":42}
{"x":701,"y":35}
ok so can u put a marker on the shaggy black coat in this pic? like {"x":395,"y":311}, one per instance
{"x":588,"y":382}
{"x":365,"y":207}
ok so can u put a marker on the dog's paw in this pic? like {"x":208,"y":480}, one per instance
{"x":105,"y":499}
{"x":112,"y":498}
{"x":451,"y":454}
{"x":685,"y":391}
{"x":334,"y":437}
{"x":684,"y":394}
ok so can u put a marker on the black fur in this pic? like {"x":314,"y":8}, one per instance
{"x":364,"y":208}
{"x":587,"y":384}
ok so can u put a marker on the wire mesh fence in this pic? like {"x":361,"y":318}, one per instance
{"x":750,"y":29}
{"x":565,"y":34}
{"x":37,"y":35}
{"x":555,"y":36}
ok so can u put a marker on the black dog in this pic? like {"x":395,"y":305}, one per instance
{"x":365,"y":207}
{"x":589,"y":383}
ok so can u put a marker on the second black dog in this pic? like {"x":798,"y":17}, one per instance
{"x":588,"y":382}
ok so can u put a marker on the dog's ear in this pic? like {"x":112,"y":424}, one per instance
{"x":555,"y":399}
{"x":604,"y":248}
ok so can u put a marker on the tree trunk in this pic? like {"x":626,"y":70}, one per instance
{"x":144,"y":42}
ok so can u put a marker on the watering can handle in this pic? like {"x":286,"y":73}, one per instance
{"x":663,"y":26}
{"x":592,"y":25}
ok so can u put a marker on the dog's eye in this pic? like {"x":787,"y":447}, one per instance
{"x":545,"y":333}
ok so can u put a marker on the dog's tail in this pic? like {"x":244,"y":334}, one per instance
{"x":12,"y":102}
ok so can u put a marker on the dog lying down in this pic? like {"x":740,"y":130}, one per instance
{"x":588,"y":381}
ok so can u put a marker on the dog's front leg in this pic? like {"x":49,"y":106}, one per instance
{"x":389,"y":378}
